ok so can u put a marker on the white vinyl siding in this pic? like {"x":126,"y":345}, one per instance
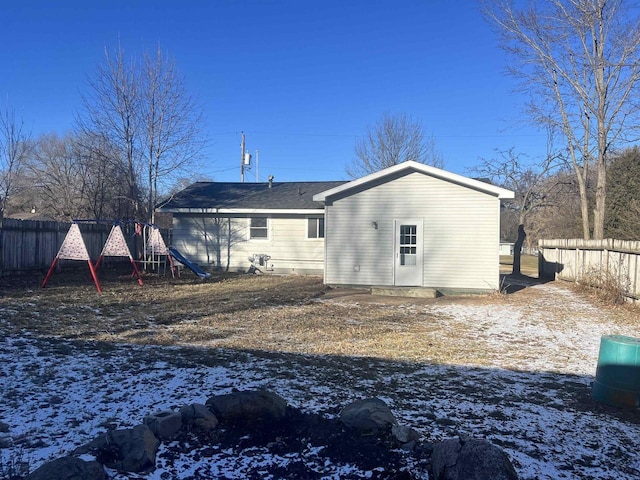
{"x":223,"y":241}
{"x":460,"y":233}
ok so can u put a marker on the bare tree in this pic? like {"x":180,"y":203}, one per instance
{"x":74,"y":177}
{"x":14,"y":150}
{"x":143,"y":111}
{"x":105,"y":182}
{"x":57,"y":177}
{"x":529,"y":182}
{"x":560,"y":215}
{"x":579,"y":61}
{"x":110,"y":111}
{"x":623,"y":196}
{"x":392,"y":140}
{"x":171,"y":124}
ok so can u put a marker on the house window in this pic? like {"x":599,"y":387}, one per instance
{"x":258,"y":228}
{"x":315,"y":227}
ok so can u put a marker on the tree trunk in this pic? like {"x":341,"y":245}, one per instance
{"x":601,"y":185}
{"x":601,"y":89}
{"x":584,"y":207}
{"x":599,"y":211}
{"x":517,"y":250}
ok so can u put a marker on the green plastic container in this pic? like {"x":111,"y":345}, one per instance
{"x":617,"y":380}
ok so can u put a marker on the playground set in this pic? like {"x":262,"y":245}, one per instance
{"x":156,"y":254}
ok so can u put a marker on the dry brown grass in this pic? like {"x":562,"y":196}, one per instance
{"x":246,"y":312}
{"x":234,"y":311}
{"x":528,"y":264}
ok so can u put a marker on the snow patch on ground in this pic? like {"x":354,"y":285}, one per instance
{"x":57,"y":395}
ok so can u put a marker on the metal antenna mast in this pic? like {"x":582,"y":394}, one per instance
{"x":245,"y":159}
{"x":242,"y":159}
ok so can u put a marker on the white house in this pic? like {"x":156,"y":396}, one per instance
{"x":413,"y":225}
{"x":506,"y":248}
{"x":278,"y":224}
{"x":408,"y":225}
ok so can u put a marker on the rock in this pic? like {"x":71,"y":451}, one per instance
{"x":164,"y":425}
{"x":473,"y":459}
{"x":248,"y":407}
{"x":126,"y":450}
{"x":68,"y":468}
{"x":404,"y":434}
{"x":199,"y":416}
{"x":368,"y":415}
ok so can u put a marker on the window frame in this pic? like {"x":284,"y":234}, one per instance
{"x":319,"y":228}
{"x":253,"y":228}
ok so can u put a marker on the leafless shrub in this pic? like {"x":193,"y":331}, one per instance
{"x":613,"y":286}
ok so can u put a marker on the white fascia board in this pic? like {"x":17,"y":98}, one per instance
{"x":499,"y":192}
{"x":245,"y":211}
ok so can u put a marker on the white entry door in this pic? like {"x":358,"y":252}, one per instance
{"x":408,"y":253}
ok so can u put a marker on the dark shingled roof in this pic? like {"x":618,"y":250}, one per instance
{"x":223,"y":195}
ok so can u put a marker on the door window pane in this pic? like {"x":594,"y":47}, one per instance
{"x":408,"y":241}
{"x":408,"y":260}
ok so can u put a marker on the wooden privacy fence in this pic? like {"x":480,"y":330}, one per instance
{"x":27,"y":245}
{"x":576,"y":259}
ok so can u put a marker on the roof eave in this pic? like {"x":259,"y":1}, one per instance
{"x":244,"y":211}
{"x":499,"y":192}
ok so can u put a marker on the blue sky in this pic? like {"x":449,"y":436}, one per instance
{"x":302,"y":79}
